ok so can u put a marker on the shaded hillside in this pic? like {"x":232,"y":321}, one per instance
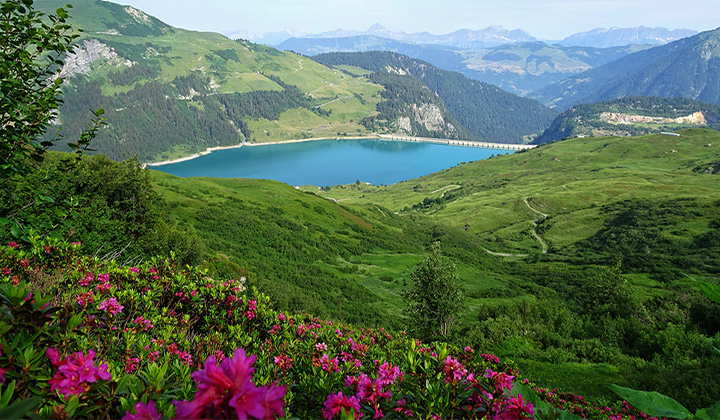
{"x":489,"y":113}
{"x":688,"y":68}
{"x":632,"y":116}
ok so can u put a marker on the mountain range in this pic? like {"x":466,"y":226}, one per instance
{"x":491,"y":36}
{"x":517,"y":67}
{"x":688,"y":68}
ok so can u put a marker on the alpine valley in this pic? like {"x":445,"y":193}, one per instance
{"x":576,"y":278}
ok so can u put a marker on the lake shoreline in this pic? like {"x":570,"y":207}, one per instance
{"x":246,"y":144}
{"x":450,"y":142}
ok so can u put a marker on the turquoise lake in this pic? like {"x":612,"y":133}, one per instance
{"x":330,"y":162}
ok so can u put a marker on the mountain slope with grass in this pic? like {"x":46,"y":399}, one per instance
{"x":685,"y":68}
{"x":169,"y":92}
{"x":631,"y":116}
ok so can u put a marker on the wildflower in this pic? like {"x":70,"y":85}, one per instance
{"x":13,"y":245}
{"x":502,"y":380}
{"x":454,"y":370}
{"x":143,"y":412}
{"x":227,"y":390}
{"x":134,"y":270}
{"x":283,"y":362}
{"x":76,"y":244}
{"x":388,"y":373}
{"x":75,"y":372}
{"x":111,"y":306}
{"x":321,"y":347}
{"x":336,"y":402}
{"x":490,"y":358}
{"x":6,"y":271}
{"x":516,"y":408}
{"x":85,"y":298}
{"x":326,"y":363}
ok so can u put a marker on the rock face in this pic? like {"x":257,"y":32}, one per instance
{"x":430,"y":116}
{"x":78,"y":62}
{"x":697,"y":118}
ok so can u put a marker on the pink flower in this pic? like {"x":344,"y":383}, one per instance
{"x":13,"y":245}
{"x":326,"y":363}
{"x":516,"y":408}
{"x":75,"y":372}
{"x":227,"y":390}
{"x":321,"y":347}
{"x":502,"y":380}
{"x":388,"y":373}
{"x":454,"y":370}
{"x":143,"y":412}
{"x":283,"y":362}
{"x":336,"y":402}
{"x":490,"y":358}
{"x":111,"y":306}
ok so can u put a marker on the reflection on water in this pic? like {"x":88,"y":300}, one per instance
{"x":330,"y":162}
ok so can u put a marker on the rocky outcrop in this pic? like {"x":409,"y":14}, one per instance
{"x":697,"y":118}
{"x":79,"y":61}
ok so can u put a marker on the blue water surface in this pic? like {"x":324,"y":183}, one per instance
{"x":330,"y":162}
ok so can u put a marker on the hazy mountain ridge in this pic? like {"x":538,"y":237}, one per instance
{"x":618,"y":37}
{"x":687,"y":68}
{"x":631,"y":116}
{"x":462,"y":38}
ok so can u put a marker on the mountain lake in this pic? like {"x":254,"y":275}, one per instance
{"x":330,"y":162}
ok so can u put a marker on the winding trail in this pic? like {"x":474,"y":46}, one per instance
{"x":534,"y":223}
{"x":502,"y":254}
{"x":453,"y":186}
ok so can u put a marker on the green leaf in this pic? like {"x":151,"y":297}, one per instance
{"x":711,"y":291}
{"x":19,"y":409}
{"x":15,"y":230}
{"x":710,"y":413}
{"x":652,"y":403}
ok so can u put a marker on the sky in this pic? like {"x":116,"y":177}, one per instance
{"x":544,"y":19}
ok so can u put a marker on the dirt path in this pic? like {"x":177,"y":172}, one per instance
{"x":502,"y":254}
{"x":534,"y":223}
{"x":334,"y":100}
{"x":446,"y":187}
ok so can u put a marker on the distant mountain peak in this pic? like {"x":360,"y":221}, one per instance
{"x":377,"y":27}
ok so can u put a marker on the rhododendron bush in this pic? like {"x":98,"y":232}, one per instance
{"x":83,"y":337}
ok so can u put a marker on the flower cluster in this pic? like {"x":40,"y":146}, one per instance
{"x":75,"y":372}
{"x":227,"y":391}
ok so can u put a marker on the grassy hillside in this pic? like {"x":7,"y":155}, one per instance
{"x":169,"y":92}
{"x":622,"y":220}
{"x":631,"y":116}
